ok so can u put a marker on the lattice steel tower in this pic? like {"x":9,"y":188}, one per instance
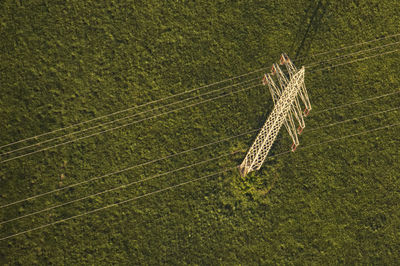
{"x":287,"y":111}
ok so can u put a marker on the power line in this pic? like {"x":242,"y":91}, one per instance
{"x":101,"y":132}
{"x":336,"y":139}
{"x":128,"y":124}
{"x":354,"y":61}
{"x":356,"y":102}
{"x":180,"y":153}
{"x":354,"y":118}
{"x":350,"y":54}
{"x":127,"y":169}
{"x":119,"y":203}
{"x":131,"y":108}
{"x":185,"y":92}
{"x":118,"y":187}
{"x":346,"y":104}
{"x":127,"y":117}
{"x":179,"y":169}
{"x":349,"y":46}
{"x":173,"y":103}
{"x":352,"y":135}
{"x":181,"y":184}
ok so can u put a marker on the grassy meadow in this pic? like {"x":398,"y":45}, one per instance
{"x":63,"y":62}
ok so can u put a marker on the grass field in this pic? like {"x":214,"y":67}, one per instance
{"x":63,"y":62}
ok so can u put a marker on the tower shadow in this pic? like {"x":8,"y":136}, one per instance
{"x":306,"y":32}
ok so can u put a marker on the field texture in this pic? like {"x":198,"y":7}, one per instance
{"x":63,"y":62}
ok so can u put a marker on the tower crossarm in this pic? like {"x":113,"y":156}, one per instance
{"x":291,"y":68}
{"x":303,"y":95}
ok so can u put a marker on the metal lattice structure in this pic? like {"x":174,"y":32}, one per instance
{"x":287,"y":111}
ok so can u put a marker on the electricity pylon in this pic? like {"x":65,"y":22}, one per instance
{"x":287,"y":111}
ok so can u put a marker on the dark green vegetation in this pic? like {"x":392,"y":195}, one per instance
{"x":62,"y":63}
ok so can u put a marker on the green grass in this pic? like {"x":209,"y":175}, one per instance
{"x":62,"y":63}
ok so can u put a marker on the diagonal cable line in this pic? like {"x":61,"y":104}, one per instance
{"x":322,"y":62}
{"x":128,"y":124}
{"x":372,"y":98}
{"x":356,"y":60}
{"x":127,"y":169}
{"x":118,"y":187}
{"x":131,"y":108}
{"x":127,"y":117}
{"x":113,"y":121}
{"x":354,"y":118}
{"x":94,"y":134}
{"x":181,"y":93}
{"x":118,"y":203}
{"x":179,"y":169}
{"x":351,"y":54}
{"x":183,"y":152}
{"x":183,"y":183}
{"x":351,"y":135}
{"x":347,"y":47}
{"x":336,"y":139}
{"x":356,"y":102}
